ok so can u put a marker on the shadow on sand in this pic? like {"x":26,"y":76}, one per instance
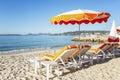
{"x":87,"y":65}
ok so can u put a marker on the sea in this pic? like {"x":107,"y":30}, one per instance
{"x":26,"y":43}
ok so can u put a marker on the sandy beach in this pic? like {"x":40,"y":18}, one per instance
{"x":17,"y":67}
{"x":32,"y":30}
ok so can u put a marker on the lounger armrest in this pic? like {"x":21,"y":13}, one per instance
{"x":40,"y":56}
{"x":51,"y":55}
{"x":48,"y":58}
{"x":91,"y":51}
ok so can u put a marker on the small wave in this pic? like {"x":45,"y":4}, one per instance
{"x":27,"y":50}
{"x":20,"y":51}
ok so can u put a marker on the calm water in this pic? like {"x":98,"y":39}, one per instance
{"x":23,"y":42}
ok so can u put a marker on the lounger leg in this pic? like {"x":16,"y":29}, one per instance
{"x":47,"y":73}
{"x":35,"y":66}
{"x":112,"y":53}
{"x":62,"y":61}
{"x":91,"y":60}
{"x":79,"y":60}
{"x":76,"y":65}
{"x":97,"y":59}
{"x":74,"y":60}
{"x":103,"y":57}
{"x":40,"y":66}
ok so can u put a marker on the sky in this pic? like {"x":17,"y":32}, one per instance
{"x":33,"y":16}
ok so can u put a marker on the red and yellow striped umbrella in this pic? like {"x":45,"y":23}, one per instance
{"x":80,"y":16}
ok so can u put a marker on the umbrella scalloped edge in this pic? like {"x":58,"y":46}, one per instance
{"x":81,"y":21}
{"x":101,"y":17}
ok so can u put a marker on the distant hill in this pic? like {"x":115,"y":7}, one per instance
{"x":37,"y":34}
{"x":30,"y":34}
{"x":82,"y":32}
{"x":72,"y":33}
{"x":10,"y":34}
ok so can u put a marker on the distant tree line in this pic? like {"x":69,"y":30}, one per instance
{"x":82,"y":32}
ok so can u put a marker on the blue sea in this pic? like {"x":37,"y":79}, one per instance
{"x":8,"y":43}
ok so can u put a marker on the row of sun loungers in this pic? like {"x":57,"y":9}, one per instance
{"x":73,"y":56}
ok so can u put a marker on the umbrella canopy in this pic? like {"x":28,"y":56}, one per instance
{"x":80,"y":16}
{"x":113,"y":36}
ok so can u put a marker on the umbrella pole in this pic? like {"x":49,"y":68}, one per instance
{"x":79,"y":31}
{"x":79,"y":47}
{"x":79,"y":35}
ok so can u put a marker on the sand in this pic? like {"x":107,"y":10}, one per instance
{"x":17,"y":67}
{"x":104,"y":71}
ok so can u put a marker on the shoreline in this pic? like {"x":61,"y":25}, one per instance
{"x":34,"y":50}
{"x":30,"y":51}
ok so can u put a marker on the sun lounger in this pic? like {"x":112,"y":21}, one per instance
{"x":100,"y":51}
{"x":70,"y":53}
{"x":82,"y":57}
{"x":110,"y":52}
{"x":115,"y":51}
{"x":61,"y":56}
{"x":65,"y":57}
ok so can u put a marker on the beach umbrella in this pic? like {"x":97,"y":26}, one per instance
{"x":113,"y":36}
{"x":79,"y":17}
{"x":118,"y":31}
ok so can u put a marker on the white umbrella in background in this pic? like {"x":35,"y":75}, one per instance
{"x":113,"y":36}
{"x":118,"y":30}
